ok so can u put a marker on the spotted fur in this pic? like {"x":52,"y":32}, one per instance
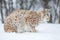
{"x":24,"y":20}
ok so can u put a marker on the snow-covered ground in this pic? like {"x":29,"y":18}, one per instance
{"x":45,"y":32}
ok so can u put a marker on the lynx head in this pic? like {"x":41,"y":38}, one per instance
{"x":44,"y":15}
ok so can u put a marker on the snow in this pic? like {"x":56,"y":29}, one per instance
{"x":44,"y":32}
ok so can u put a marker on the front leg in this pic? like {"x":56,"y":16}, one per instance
{"x":32,"y":29}
{"x":20,"y":29}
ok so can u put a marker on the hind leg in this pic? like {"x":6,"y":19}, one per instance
{"x":8,"y":28}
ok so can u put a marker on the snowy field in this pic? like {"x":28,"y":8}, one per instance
{"x":45,"y":32}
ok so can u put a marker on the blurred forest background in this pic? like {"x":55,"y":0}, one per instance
{"x":7,"y":6}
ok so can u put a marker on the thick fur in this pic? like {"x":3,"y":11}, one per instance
{"x":24,"y":20}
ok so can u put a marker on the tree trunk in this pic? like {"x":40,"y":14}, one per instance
{"x":6,"y":13}
{"x":59,"y":11}
{"x":2,"y":19}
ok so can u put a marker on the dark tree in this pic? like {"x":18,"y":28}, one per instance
{"x":59,"y":10}
{"x":56,"y":2}
{"x":46,"y":3}
{"x":31,"y":4}
{"x":1,"y":11}
{"x":6,"y":13}
{"x":21,"y":4}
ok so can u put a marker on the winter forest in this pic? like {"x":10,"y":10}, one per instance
{"x":7,"y":6}
{"x":44,"y":31}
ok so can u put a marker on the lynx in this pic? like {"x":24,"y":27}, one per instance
{"x":24,"y":20}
